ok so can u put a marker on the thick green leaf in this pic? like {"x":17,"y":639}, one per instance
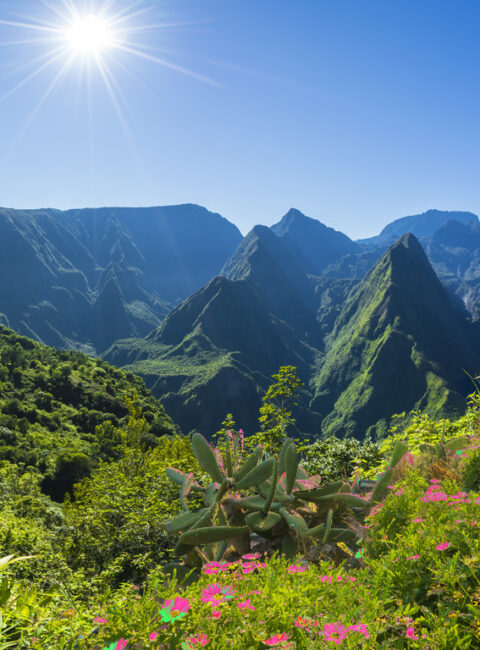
{"x":206,"y":457}
{"x":251,"y":462}
{"x":273,"y":486}
{"x":457,"y":443}
{"x":315,"y":531}
{"x":259,"y":523}
{"x":184,"y":520}
{"x":201,"y":536}
{"x":351,"y":500}
{"x":382,"y":485}
{"x":257,"y":475}
{"x":291,"y":466}
{"x":295,"y":522}
{"x":328,"y":526}
{"x":175,"y":475}
{"x":399,"y":451}
{"x":331,"y":488}
{"x":282,"y":456}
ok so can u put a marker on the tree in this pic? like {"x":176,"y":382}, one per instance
{"x":275,"y":415}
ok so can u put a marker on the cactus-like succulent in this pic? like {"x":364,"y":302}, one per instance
{"x":265,"y":503}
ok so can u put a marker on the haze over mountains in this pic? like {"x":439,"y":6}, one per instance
{"x":206,"y":316}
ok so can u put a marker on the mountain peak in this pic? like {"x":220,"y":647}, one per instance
{"x":421,"y":225}
{"x":314,"y":244}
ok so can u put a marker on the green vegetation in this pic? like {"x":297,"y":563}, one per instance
{"x":414,"y":583}
{"x":60,"y":411}
{"x":252,"y":551}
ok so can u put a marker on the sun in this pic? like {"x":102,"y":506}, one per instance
{"x":89,"y":35}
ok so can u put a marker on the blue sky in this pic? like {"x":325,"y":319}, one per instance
{"x":354,"y":111}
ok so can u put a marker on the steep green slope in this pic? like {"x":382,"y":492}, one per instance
{"x":216,"y":352}
{"x":398,"y":344}
{"x":83,"y":278}
{"x":51,"y":403}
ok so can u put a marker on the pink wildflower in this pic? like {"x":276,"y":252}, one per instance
{"x":296,"y":568}
{"x":411,"y":634}
{"x":245,"y":604}
{"x":418,"y":520}
{"x":200,"y":640}
{"x":212,"y":568}
{"x":335,"y":632}
{"x":326,"y":579}
{"x":277,"y":639}
{"x":153,"y":636}
{"x":174,"y":609}
{"x":413,"y":557}
{"x":443,"y":546}
{"x":216,"y":594}
{"x":216,"y":613}
{"x":251,"y":556}
{"x":361,"y":628}
{"x":99,"y":619}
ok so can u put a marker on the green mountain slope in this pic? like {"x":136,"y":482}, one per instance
{"x":399,"y":343}
{"x":52,"y":401}
{"x":216,"y":352}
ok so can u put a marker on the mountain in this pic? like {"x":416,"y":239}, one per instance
{"x":420,"y":225}
{"x":84,"y":278}
{"x":366,"y":349}
{"x":216,"y":352}
{"x":398,"y":344}
{"x":313,"y":244}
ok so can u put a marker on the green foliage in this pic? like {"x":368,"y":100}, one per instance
{"x":335,"y":458}
{"x":56,"y":405}
{"x":471,"y":468}
{"x":287,"y":511}
{"x":418,"y":429}
{"x":276,"y":419}
{"x":116,"y":525}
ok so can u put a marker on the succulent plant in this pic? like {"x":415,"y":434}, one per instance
{"x":266,"y":503}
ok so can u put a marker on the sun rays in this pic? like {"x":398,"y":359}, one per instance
{"x":97,"y":36}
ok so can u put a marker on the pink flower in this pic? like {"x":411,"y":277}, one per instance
{"x":443,"y":546}
{"x":174,"y":609}
{"x":411,"y":634}
{"x":334,"y":632}
{"x":296,"y":568}
{"x":413,"y":557}
{"x":326,"y":579}
{"x":361,"y":628}
{"x":200,"y":639}
{"x":212,"y":568}
{"x":245,"y":604}
{"x":153,"y":636}
{"x":251,"y":556}
{"x":257,"y":592}
{"x":99,"y":619}
{"x":216,"y":613}
{"x":216,"y":594}
{"x":418,"y":520}
{"x":277,"y":639}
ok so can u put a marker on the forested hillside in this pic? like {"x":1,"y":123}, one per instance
{"x":60,"y":410}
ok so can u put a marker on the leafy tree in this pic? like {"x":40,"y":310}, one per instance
{"x":116,"y":523}
{"x":276,"y":417}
